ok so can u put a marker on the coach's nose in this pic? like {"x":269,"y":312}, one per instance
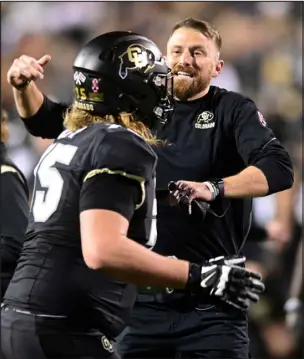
{"x":186,"y":58}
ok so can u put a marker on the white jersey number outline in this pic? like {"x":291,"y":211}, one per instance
{"x":45,"y":202}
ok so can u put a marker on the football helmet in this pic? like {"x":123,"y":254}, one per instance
{"x":123,"y":72}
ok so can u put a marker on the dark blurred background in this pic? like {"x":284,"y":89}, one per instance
{"x":262,"y":50}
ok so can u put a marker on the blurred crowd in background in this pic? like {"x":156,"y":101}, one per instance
{"x":262,"y":50}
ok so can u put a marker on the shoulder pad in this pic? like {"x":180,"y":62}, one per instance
{"x":124,"y":151}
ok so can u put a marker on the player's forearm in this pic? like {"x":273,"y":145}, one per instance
{"x":28,"y":100}
{"x":251,"y":182}
{"x":131,"y":262}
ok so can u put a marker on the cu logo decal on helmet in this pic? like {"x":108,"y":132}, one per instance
{"x":136,"y":57}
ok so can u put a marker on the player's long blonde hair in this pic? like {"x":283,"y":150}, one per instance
{"x":4,"y":128}
{"x":76,"y":118}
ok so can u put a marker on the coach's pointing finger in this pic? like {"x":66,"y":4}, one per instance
{"x":44,"y":60}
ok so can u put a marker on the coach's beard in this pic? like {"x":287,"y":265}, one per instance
{"x":187,"y":87}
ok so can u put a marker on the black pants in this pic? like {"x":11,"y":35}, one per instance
{"x":27,"y":336}
{"x":181,"y":329}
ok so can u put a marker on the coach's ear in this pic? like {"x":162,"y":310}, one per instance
{"x":218,"y":68}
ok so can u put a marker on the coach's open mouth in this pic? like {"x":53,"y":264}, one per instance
{"x":183,"y":74}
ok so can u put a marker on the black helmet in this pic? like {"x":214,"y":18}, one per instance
{"x":123,"y":71}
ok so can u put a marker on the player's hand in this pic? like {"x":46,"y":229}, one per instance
{"x":225,"y":279}
{"x":193,"y":190}
{"x":229,"y":261}
{"x":232,"y":284}
{"x":26,"y":69}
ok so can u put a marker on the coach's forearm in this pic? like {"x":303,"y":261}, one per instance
{"x":284,"y":207}
{"x":28,"y":100}
{"x":251,"y":182}
{"x":129,"y":261}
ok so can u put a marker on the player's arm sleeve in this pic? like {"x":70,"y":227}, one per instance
{"x":14,"y":215}
{"x":258,"y":147}
{"x":112,"y":192}
{"x":48,"y":121}
{"x":122,"y":164}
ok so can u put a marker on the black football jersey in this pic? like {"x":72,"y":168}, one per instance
{"x":76,"y":156}
{"x":51,"y":276}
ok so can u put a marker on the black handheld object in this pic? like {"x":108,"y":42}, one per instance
{"x":184,"y":200}
{"x":203,"y":206}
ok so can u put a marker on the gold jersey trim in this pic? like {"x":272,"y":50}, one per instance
{"x":139,"y":179}
{"x":10,"y":169}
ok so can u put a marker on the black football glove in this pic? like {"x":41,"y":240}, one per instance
{"x":229,"y":261}
{"x":223,"y":279}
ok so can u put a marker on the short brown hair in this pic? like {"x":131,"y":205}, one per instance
{"x":4,"y":128}
{"x":202,"y":26}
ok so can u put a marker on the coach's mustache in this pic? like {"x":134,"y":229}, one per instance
{"x":186,"y":70}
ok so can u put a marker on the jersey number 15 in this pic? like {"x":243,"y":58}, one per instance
{"x":45,"y":202}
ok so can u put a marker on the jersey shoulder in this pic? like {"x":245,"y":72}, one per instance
{"x":122,"y":150}
{"x":230,"y":99}
{"x":11,"y":170}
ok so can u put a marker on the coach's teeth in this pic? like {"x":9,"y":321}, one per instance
{"x":183,"y":74}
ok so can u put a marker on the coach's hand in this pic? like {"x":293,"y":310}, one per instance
{"x":230,"y":283}
{"x":26,"y":69}
{"x":193,"y":190}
